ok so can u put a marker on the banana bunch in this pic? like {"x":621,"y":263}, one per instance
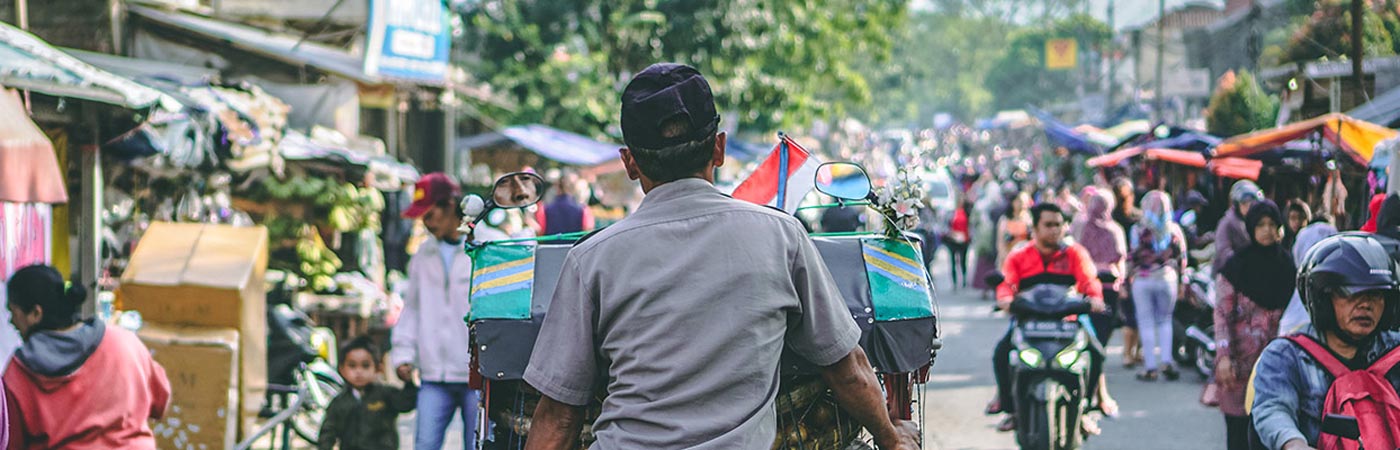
{"x":356,"y":208}
{"x":318,"y":263}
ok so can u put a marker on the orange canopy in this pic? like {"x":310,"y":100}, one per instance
{"x":29,"y":170}
{"x":1236,"y":168}
{"x":1355,"y":137}
{"x":1182,"y":157}
{"x":1113,"y":158}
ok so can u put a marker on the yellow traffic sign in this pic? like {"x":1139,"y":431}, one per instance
{"x":1061,"y":54}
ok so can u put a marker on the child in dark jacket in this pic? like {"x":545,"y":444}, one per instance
{"x":365,"y":415}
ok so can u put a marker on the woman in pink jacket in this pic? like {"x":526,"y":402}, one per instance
{"x":76,"y":384}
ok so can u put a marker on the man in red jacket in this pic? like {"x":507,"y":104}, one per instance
{"x":1047,"y":259}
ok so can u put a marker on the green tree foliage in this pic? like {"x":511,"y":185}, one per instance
{"x":1327,"y":31}
{"x":1240,"y":106}
{"x":1019,"y":77}
{"x":774,"y":62}
{"x":939,"y":63}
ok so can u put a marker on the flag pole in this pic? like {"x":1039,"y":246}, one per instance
{"x":782,"y":171}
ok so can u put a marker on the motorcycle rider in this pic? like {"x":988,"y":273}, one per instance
{"x":1048,"y":258}
{"x":1351,"y":290}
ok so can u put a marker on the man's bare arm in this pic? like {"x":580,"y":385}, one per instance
{"x":858,"y":392}
{"x":556,"y":426}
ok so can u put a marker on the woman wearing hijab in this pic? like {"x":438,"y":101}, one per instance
{"x":1299,"y":215}
{"x":1295,"y":317}
{"x":76,"y":383}
{"x":1159,"y":256}
{"x":1251,"y":293}
{"x":1103,"y":238}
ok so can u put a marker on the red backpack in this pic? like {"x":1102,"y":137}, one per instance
{"x":1363,"y":394}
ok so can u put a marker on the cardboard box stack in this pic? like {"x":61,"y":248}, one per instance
{"x":199,"y":289}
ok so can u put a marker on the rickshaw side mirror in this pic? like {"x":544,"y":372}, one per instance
{"x":846,"y":181}
{"x":517,"y":190}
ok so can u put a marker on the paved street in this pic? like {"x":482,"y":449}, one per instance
{"x":1161,"y":415}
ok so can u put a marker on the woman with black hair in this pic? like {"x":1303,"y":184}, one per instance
{"x":76,"y":383}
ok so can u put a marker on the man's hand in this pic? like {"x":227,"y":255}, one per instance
{"x":909,"y":435}
{"x":405,"y":373}
{"x":1297,"y":444}
{"x":857,"y":390}
{"x":556,"y":425}
{"x":1097,"y":306}
{"x":1004,"y":303}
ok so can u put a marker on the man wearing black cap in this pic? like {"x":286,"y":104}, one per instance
{"x":678,"y":314}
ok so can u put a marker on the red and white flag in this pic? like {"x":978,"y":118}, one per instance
{"x":783,"y":179}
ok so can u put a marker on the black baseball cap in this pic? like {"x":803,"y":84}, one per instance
{"x":661,"y":93}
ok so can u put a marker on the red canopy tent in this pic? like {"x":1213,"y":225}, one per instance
{"x":1237,"y":168}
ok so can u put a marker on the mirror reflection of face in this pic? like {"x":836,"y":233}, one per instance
{"x":1358,"y":315}
{"x":1050,"y":232}
{"x":516,"y":190}
{"x":1267,"y":232}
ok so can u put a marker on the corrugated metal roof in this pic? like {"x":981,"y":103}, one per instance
{"x":27,"y":62}
{"x":282,"y":47}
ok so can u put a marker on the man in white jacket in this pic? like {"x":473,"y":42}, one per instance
{"x":431,"y":335}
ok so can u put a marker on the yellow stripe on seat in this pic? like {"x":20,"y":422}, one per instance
{"x":519,"y":277}
{"x":500,"y":267}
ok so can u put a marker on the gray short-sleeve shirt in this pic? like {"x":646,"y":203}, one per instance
{"x":680,"y":312}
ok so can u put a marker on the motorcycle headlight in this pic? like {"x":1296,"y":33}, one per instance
{"x":1031,"y":357}
{"x":1067,"y":357}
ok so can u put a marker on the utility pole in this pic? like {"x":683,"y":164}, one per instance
{"x":1157,"y":96}
{"x":1357,"y":73}
{"x":1110,"y":52}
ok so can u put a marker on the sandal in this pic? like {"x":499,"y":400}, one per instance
{"x":1089,"y":425}
{"x":993,"y":407}
{"x":1109,"y":407}
{"x":1007,"y":424}
{"x":1171,"y":373}
{"x":1149,"y":375}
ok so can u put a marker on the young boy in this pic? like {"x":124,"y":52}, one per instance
{"x":365,"y":415}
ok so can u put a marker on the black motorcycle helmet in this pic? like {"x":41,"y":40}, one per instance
{"x":1348,"y":263}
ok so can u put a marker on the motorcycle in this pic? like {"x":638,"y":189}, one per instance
{"x":896,"y":317}
{"x":1196,"y":316}
{"x":1050,"y":366}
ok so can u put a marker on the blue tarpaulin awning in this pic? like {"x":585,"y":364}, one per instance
{"x":1062,"y":135}
{"x":549,"y":142}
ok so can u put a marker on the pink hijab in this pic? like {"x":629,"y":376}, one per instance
{"x":1099,"y":234}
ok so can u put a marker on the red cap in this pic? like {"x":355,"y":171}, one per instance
{"x":430,"y":190}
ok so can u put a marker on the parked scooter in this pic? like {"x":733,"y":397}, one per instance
{"x":301,"y":358}
{"x":1196,"y":316}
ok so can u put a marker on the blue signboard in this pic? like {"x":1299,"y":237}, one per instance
{"x":408,"y":39}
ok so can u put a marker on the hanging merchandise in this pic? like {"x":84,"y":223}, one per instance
{"x":24,"y":236}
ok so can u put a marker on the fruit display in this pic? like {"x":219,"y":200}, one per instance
{"x":318,"y":263}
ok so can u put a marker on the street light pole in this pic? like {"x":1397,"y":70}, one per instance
{"x":1157,"y":96}
{"x":1109,"y":54}
{"x":1357,"y":72}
